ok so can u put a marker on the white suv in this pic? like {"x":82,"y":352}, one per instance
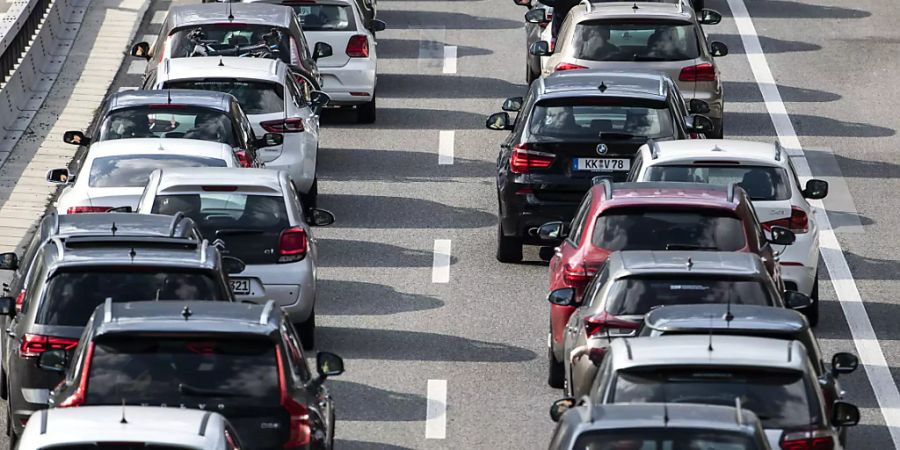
{"x":765,"y":171}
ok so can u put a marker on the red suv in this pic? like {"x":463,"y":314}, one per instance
{"x":649,"y":216}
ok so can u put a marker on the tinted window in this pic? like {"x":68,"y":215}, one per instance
{"x":646,"y":229}
{"x":179,"y":370}
{"x":231,"y":39}
{"x":134,"y":170}
{"x":71,"y":297}
{"x":116,"y":446}
{"x":325,"y":17}
{"x":779,"y":399}
{"x":555,"y":120}
{"x":638,"y":296}
{"x":761,"y":183}
{"x":635,"y":41}
{"x":663,"y":439}
{"x":175,"y":121}
{"x":255,"y":97}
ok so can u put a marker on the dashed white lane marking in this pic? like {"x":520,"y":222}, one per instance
{"x":449,"y":59}
{"x":436,"y":410}
{"x":440,"y":270}
{"x":128,"y":88}
{"x":137,"y":66}
{"x":445,"y":147}
{"x":158,"y":17}
{"x":864,"y":338}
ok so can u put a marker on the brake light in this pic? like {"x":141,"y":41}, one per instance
{"x":605,"y":322}
{"x":700,"y":72}
{"x":798,"y":222}
{"x":578,"y":275}
{"x":87,"y":209}
{"x":523,"y":159}
{"x":568,"y":66}
{"x":35,"y":344}
{"x":358,"y":46}
{"x":77,"y":397}
{"x":807,"y":440}
{"x":292,"y":245}
{"x":20,"y":300}
{"x":294,"y":125}
{"x":243,"y":158}
{"x":299,"y":427}
{"x":219,"y":188}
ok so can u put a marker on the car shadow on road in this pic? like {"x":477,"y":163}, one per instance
{"x":851,"y":167}
{"x":769,"y":45}
{"x":807,"y":125}
{"x":409,"y":119}
{"x":442,"y":86}
{"x":375,"y":211}
{"x":344,"y":444}
{"x":357,"y":298}
{"x":359,"y":402}
{"x":344,"y":164}
{"x":352,"y":253}
{"x":413,"y":49}
{"x":449,"y":20}
{"x":797,"y":10}
{"x":748,"y":92}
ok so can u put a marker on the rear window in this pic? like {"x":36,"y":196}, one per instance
{"x":663,"y":439}
{"x":325,"y":17}
{"x":116,"y":446}
{"x":646,"y":229}
{"x":761,"y":183}
{"x":71,"y":297}
{"x":638,"y":296}
{"x":635,"y":41}
{"x":191,"y":370}
{"x":255,"y":97}
{"x":231,"y":39}
{"x":134,"y":170}
{"x":170,"y":121}
{"x":603,"y":118}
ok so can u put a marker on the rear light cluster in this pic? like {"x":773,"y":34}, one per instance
{"x":578,"y":275}
{"x":568,"y":66}
{"x":243,"y":158}
{"x":299,"y":428}
{"x":294,"y":125}
{"x":34,"y":344}
{"x":77,"y":397}
{"x":523,"y":159}
{"x":358,"y":46}
{"x":798,"y":222}
{"x":20,"y":300}
{"x":807,"y":440}
{"x":600,"y":324}
{"x":700,"y":72}
{"x":87,"y":209}
{"x":552,"y":45}
{"x":292,"y":245}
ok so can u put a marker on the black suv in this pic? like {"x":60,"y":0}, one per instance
{"x":241,"y":360}
{"x":574,"y":126}
{"x":77,"y":261}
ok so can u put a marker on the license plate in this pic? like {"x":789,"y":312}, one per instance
{"x":240,"y":286}
{"x":602,"y":164}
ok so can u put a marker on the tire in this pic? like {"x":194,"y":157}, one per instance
{"x":365,"y":113}
{"x":812,"y":313}
{"x":307,"y":331}
{"x":311,"y":198}
{"x":556,"y":371}
{"x":509,"y":249}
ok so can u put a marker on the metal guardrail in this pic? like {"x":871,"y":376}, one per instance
{"x":18,"y":26}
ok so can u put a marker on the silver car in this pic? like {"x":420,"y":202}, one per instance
{"x":257,"y":216}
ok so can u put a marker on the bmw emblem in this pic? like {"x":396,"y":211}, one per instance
{"x":601,"y":149}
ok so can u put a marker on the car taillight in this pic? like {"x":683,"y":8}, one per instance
{"x":294,"y":125}
{"x":700,"y":72}
{"x":292,"y":245}
{"x":807,"y":440}
{"x":522,"y":159}
{"x":578,"y":275}
{"x":568,"y":66}
{"x":552,"y":45}
{"x":798,"y":222}
{"x":34,"y":344}
{"x":358,"y":46}
{"x":243,"y":158}
{"x":77,"y":397}
{"x":605,"y":322}
{"x":20,"y":300}
{"x":299,"y":427}
{"x":87,"y":209}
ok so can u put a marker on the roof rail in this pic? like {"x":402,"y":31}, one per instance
{"x":778,"y":150}
{"x":44,"y":418}
{"x":790,"y":350}
{"x":266,"y":312}
{"x":204,"y":422}
{"x":175,"y":220}
{"x":107,"y":310}
{"x":654,"y":148}
{"x":587,"y":5}
{"x":55,"y":222}
{"x":607,"y":186}
{"x":739,"y":415}
{"x":731,"y":187}
{"x":203,"y":246}
{"x":681,"y":6}
{"x":628,"y":348}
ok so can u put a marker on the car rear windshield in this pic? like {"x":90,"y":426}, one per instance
{"x":663,"y":439}
{"x":183,"y":371}
{"x":325,"y":17}
{"x":761,"y":183}
{"x":71,"y":297}
{"x":630,"y":40}
{"x":116,"y":446}
{"x":134,"y":170}
{"x":255,"y":97}
{"x":171,"y":121}
{"x":668,"y":229}
{"x":638,"y":296}
{"x":781,"y":399}
{"x":231,"y":39}
{"x":593,"y":119}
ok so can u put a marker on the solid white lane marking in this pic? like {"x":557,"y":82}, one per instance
{"x":440,"y":270}
{"x":158,"y":17}
{"x":870,"y":352}
{"x":128,"y":88}
{"x":436,"y":410}
{"x":449,"y":59}
{"x":445,"y":147}
{"x":137,"y":67}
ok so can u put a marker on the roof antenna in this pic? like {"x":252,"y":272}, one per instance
{"x":169,"y":96}
{"x":710,"y":347}
{"x":221,"y":63}
{"x":230,"y":16}
{"x":690,"y":263}
{"x":123,"y":421}
{"x":186,"y":313}
{"x":602,"y":86}
{"x":113,"y":229}
{"x":132,"y":254}
{"x":665,"y":414}
{"x":728,"y":316}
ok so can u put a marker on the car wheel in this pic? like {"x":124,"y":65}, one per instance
{"x":365,"y":113}
{"x":307,"y":330}
{"x":509,"y":249}
{"x":311,"y":198}
{"x":556,"y":371}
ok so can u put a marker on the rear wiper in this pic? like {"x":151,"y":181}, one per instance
{"x":688,"y":247}
{"x":187,"y":389}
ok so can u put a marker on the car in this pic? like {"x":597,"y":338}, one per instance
{"x":259,"y":217}
{"x":766,"y":173}
{"x":73,"y":271}
{"x":176,"y":114}
{"x":570,"y":128}
{"x":771,"y":377}
{"x":114,"y":173}
{"x":535,"y":31}
{"x":128,"y":427}
{"x":633,"y":283}
{"x":655,"y":426}
{"x":238,"y":29}
{"x":273,"y":102}
{"x":241,"y":360}
{"x":635,"y":36}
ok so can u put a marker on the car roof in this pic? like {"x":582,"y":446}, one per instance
{"x":638,"y":10}
{"x":124,"y":224}
{"x":136,"y":146}
{"x":671,"y":415}
{"x":693,"y":351}
{"x":224,"y":67}
{"x":667,"y":193}
{"x":685,"y":262}
{"x":650,"y":85}
{"x":191,"y":97}
{"x":749,"y":318}
{"x":179,"y":427}
{"x":242,"y":13}
{"x":715,"y":150}
{"x":191,"y":180}
{"x":202,"y":317}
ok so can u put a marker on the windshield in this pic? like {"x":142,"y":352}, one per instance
{"x":663,"y":439}
{"x":779,"y":399}
{"x":171,"y":121}
{"x":325,"y":17}
{"x":761,"y":183}
{"x":635,"y":41}
{"x":191,"y":370}
{"x":134,"y":170}
{"x":646,"y":229}
{"x":638,"y":296}
{"x":555,"y":120}
{"x":231,"y":39}
{"x":71,"y":297}
{"x":255,"y":97}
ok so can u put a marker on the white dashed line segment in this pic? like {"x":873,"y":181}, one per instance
{"x":445,"y":147}
{"x":436,"y":410}
{"x":449,"y":59}
{"x":440,"y":270}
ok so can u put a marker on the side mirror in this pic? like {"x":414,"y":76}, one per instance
{"x":322,"y":50}
{"x":697,"y":106}
{"x":816,"y":189}
{"x":53,"y":360}
{"x":797,"y":300}
{"x":76,"y":138}
{"x":781,"y":236}
{"x":59,"y":176}
{"x":536,"y":15}
{"x":329,"y":364}
{"x":320,"y":217}
{"x":8,"y":306}
{"x":718,"y":49}
{"x":513,"y":104}
{"x":540,"y":48}
{"x":553,"y":231}
{"x":376,"y":25}
{"x":562,"y":297}
{"x":842,"y":363}
{"x":710,"y":17}
{"x":141,"y":50}
{"x":318,"y":99}
{"x":121,"y":209}
{"x":561,"y":406}
{"x":701,"y":124}
{"x":525,"y":3}
{"x":231,"y":265}
{"x":9,"y":261}
{"x":270,"y":140}
{"x":844,"y":414}
{"x":498,"y":121}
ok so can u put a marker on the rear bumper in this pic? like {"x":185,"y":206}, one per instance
{"x":520,"y":212}
{"x":351,"y":84}
{"x":298,"y":159}
{"x":292,"y":286}
{"x":800,"y":261}
{"x":29,"y":390}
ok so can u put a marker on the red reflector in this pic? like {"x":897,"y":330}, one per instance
{"x":219,"y":188}
{"x":359,"y":94}
{"x":87,"y":209}
{"x":35,"y":344}
{"x":798,"y":222}
{"x":700,"y":72}
{"x":358,"y":46}
{"x":293,"y":125}
{"x":568,"y":66}
{"x":523,"y":160}
{"x":524,"y":191}
{"x":292,"y":245}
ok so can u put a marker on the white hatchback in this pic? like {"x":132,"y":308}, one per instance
{"x":765,"y":171}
